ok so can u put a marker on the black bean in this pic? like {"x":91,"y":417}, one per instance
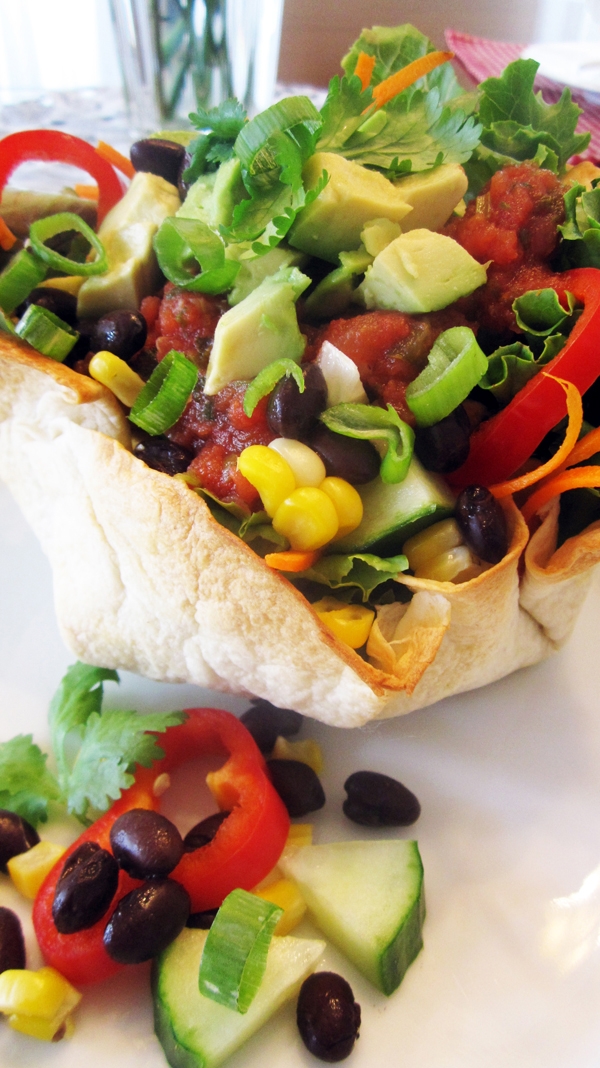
{"x":266,"y":722}
{"x":144,"y":363}
{"x":146,"y":921}
{"x":292,"y":414}
{"x":482,"y":523}
{"x":145,"y":844}
{"x":357,"y":461}
{"x":328,"y":1017}
{"x":158,"y":156}
{"x":164,"y":455}
{"x":121,"y":332}
{"x":204,"y":832}
{"x":16,"y":836}
{"x":202,"y":921}
{"x":298,"y":786}
{"x":376,"y":800}
{"x":85,"y":889}
{"x":12,"y":943}
{"x":57,"y":301}
{"x":444,"y":447}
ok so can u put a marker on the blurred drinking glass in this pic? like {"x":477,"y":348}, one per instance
{"x":177,"y":55}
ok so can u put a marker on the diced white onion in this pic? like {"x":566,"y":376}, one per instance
{"x":341,"y":376}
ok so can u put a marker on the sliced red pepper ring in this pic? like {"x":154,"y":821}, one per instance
{"x":503,"y":444}
{"x":245,"y":848}
{"x":57,"y":147}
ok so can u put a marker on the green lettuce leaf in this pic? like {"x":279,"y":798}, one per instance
{"x":580,"y":246}
{"x":511,"y":367}
{"x":539,"y":312}
{"x":26,"y":785}
{"x":362,"y":570}
{"x":394,"y":47}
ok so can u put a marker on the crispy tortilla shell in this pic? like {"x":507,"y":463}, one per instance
{"x":146,"y":580}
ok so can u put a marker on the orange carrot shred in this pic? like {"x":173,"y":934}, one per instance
{"x":88,"y":192}
{"x":390,"y":87}
{"x":576,"y":478}
{"x":292,"y":560}
{"x":365,"y":65}
{"x":575,"y":416}
{"x":7,"y":238}
{"x":588,"y":446}
{"x":110,"y":154}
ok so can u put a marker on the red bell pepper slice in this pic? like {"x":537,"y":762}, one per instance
{"x":502,"y":444}
{"x":58,"y":147}
{"x":245,"y":848}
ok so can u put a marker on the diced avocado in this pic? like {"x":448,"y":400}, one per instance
{"x":180,"y":137}
{"x":367,"y":897}
{"x":261,"y":328}
{"x":352,"y":196}
{"x":196,"y":1032}
{"x":394,"y":512}
{"x":421,"y":271}
{"x":253,"y":271}
{"x":197,"y":202}
{"x":20,"y":207}
{"x":127,"y":233}
{"x":335,"y":292}
{"x":212,"y":197}
{"x":433,"y":196}
{"x":378,"y":234}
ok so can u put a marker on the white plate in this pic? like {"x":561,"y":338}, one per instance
{"x":509,"y":782}
{"x":574,"y":63}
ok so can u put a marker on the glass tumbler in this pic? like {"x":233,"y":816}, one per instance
{"x":176,"y":55}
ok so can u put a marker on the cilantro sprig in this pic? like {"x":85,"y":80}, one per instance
{"x":219,"y":128}
{"x":95,"y":751}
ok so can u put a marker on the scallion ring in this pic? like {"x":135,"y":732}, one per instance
{"x":46,"y":333}
{"x":166,"y":393}
{"x":454,"y":366}
{"x":24,"y":272}
{"x":44,"y":229}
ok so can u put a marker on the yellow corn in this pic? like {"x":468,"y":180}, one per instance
{"x":307,"y":518}
{"x":308,"y":468}
{"x":71,"y":284}
{"x":429,"y":543}
{"x":351,"y":623}
{"x":286,"y":894}
{"x":307,"y":751}
{"x":269,"y":473}
{"x":28,"y":870}
{"x":346,"y":501}
{"x":299,"y":834}
{"x":456,"y":565}
{"x":117,"y":376}
{"x":37,"y":1003}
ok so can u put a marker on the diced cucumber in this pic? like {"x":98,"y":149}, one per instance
{"x":393,"y":513}
{"x":368,"y":898}
{"x":196,"y":1032}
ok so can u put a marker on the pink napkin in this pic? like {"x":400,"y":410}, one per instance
{"x":481,"y":58}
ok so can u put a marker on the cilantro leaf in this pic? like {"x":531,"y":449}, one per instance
{"x":219,"y":128}
{"x":26,"y":785}
{"x":112,"y":744}
{"x":79,"y":695}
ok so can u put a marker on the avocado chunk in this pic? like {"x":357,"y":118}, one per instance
{"x":394,"y":512}
{"x":197,"y":202}
{"x":261,"y":328}
{"x":352,"y":196}
{"x":127,"y":233}
{"x":378,"y":234}
{"x":212,"y":197}
{"x":421,"y":271}
{"x":367,"y":897}
{"x":253,"y":272}
{"x":433,"y":196}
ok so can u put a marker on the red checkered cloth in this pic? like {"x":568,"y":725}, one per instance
{"x":481,"y":58}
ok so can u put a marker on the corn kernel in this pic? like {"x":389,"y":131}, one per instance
{"x":307,"y":518}
{"x":269,"y":473}
{"x":117,"y":376}
{"x":308,"y":468}
{"x":37,"y":1003}
{"x":351,"y":623}
{"x":299,"y":834}
{"x":346,"y":501}
{"x":28,"y":870}
{"x":456,"y":565}
{"x":429,"y":543}
{"x":71,"y":284}
{"x":286,"y":894}
{"x":307,"y":752}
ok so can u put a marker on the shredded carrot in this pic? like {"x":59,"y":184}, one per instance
{"x":576,"y":478}
{"x":7,"y":238}
{"x":119,"y":161}
{"x":390,"y":87}
{"x":588,"y":446}
{"x":88,"y":192}
{"x":292,"y":560}
{"x":575,"y":416}
{"x":365,"y":65}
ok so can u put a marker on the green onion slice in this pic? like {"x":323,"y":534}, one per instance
{"x":24,"y":272}
{"x":455,"y":365}
{"x":46,"y":333}
{"x":165,"y":395}
{"x":192,"y":256}
{"x":267,"y":379}
{"x":6,"y":324}
{"x":45,"y":229}
{"x":295,"y":115}
{"x":235,"y":952}
{"x":376,"y":424}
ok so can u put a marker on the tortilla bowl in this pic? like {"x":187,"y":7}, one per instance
{"x":146,"y":580}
